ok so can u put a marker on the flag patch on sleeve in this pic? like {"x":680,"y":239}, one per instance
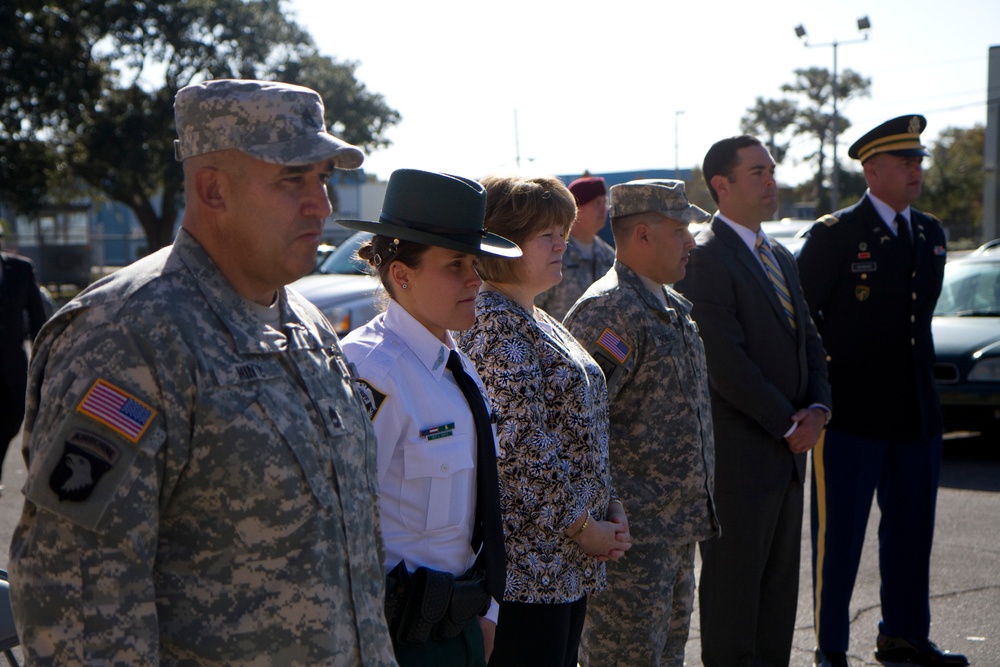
{"x":117,"y":409}
{"x":614,"y":345}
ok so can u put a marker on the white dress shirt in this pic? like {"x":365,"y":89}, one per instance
{"x":888,"y":213}
{"x":748,"y":236}
{"x":426,"y":441}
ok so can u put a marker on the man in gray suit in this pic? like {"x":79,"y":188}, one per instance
{"x":770,"y":401}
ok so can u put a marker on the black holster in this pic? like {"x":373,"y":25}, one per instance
{"x":431,"y":604}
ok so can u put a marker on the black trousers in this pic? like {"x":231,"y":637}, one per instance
{"x":750,"y":578}
{"x":11,"y":413}
{"x":541,"y":635}
{"x":464,"y":650}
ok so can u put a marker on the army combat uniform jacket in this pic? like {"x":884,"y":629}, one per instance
{"x":661,"y":440}
{"x":201,"y":484}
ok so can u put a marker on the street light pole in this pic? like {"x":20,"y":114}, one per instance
{"x":835,"y":181}
{"x":864,"y":25}
{"x":677,"y":162}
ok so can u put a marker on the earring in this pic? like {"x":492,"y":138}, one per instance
{"x":404,"y":285}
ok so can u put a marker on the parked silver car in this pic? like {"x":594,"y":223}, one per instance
{"x":789,"y":232}
{"x":342,"y":289}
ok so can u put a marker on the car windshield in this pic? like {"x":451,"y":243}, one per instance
{"x":344,"y":259}
{"x":970,"y":289}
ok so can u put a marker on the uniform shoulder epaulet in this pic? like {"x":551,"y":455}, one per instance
{"x":829,"y":220}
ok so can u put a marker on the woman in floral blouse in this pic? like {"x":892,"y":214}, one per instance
{"x":561,"y":517}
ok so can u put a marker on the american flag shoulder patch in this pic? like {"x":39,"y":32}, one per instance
{"x":614,"y":345}
{"x":117,"y":409}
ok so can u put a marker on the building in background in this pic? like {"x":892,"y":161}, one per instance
{"x":70,"y":243}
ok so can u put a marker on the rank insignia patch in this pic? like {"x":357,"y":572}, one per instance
{"x":371,"y":397}
{"x":614,"y":345}
{"x":117,"y":409}
{"x":86,"y":457}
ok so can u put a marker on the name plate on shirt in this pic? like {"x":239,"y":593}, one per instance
{"x":435,"y":432}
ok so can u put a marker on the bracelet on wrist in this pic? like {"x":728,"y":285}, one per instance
{"x":581,"y":528}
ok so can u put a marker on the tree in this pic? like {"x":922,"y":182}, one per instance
{"x":770,"y":118}
{"x":954,"y":182}
{"x":697,"y":191}
{"x":89,"y":87}
{"x":816,"y":85}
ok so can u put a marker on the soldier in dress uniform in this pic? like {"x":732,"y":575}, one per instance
{"x":871,"y":274}
{"x":660,"y":435}
{"x":587,"y":256}
{"x":201,"y":475}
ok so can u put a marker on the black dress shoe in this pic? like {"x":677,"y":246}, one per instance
{"x":893,"y":652}
{"x":830,"y":659}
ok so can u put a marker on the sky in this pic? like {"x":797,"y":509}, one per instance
{"x":549,"y":87}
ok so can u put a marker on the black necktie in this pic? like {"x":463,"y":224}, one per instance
{"x":488,"y":529}
{"x":903,"y":233}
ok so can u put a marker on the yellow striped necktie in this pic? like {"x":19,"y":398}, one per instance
{"x":777,"y":278}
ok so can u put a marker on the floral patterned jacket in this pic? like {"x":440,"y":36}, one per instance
{"x":551,"y":405}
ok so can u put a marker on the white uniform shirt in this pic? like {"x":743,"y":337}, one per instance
{"x":426,"y":441}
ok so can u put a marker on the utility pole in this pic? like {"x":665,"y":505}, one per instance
{"x":864,"y":25}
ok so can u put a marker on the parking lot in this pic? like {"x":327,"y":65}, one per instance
{"x":965,"y":574}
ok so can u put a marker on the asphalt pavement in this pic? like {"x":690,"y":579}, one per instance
{"x":965,"y":568}
{"x":965,"y":577}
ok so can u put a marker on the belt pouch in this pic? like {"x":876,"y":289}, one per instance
{"x":468,"y":600}
{"x":427,"y":604}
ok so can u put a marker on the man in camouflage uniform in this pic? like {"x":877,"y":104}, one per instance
{"x":587,"y":256}
{"x":201,"y":477}
{"x":661,"y":441}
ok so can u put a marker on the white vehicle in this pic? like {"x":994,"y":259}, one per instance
{"x":789,"y":232}
{"x":342,"y":288}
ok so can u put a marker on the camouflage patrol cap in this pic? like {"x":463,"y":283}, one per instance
{"x":654,"y":195}
{"x":275,"y":122}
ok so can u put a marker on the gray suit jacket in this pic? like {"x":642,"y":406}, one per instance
{"x":761,"y":371}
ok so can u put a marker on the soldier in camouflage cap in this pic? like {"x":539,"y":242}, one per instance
{"x":655,"y":195}
{"x":587,"y":256}
{"x":201,"y":475}
{"x":274,"y":122}
{"x":640,"y":332}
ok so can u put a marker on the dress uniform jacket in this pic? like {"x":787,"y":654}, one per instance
{"x":550,"y":402}
{"x":201,"y":484}
{"x":873,"y":304}
{"x":578,"y":273}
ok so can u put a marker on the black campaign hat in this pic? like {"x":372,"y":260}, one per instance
{"x":899,"y":136}
{"x":436,"y":209}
